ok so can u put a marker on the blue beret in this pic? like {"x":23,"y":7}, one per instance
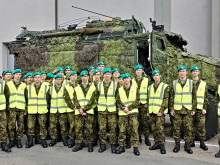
{"x":139,"y":67}
{"x":194,"y":68}
{"x":72,"y":73}
{"x":106,"y":70}
{"x":7,"y":71}
{"x":67,"y":67}
{"x":91,"y":68}
{"x":50,"y":75}
{"x":58,"y":76}
{"x":36,"y":73}
{"x":42,"y":72}
{"x":96,"y":71}
{"x":84,"y":72}
{"x":115,"y":70}
{"x":182,"y":67}
{"x":29,"y":74}
{"x":121,"y":75}
{"x":101,"y":63}
{"x":126,"y":75}
{"x":155,"y":72}
{"x":59,"y":69}
{"x":17,"y":71}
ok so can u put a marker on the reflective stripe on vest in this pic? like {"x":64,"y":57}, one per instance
{"x":84,"y":100}
{"x":37,"y":103}
{"x":200,"y":95}
{"x":16,"y":98}
{"x":110,"y":102}
{"x":127,"y":101}
{"x":156,"y":98}
{"x":183,"y":96}
{"x":219,"y":102}
{"x":2,"y":96}
{"x":70,"y":91}
{"x":58,"y":103}
{"x":142,"y":90}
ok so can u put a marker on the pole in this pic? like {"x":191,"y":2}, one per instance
{"x":56,"y":14}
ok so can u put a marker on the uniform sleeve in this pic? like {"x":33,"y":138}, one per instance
{"x":119,"y":104}
{"x":194,"y":101}
{"x":136,"y":103}
{"x":48,"y":97}
{"x":91,"y":101}
{"x":26,"y":98}
{"x":67,"y":99}
{"x":165,"y":102}
{"x":206,"y":101}
{"x":76,"y":101}
{"x":7,"y":94}
{"x":171,"y":101}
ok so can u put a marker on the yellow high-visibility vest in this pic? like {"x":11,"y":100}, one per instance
{"x":58,"y":103}
{"x":71,"y":92}
{"x":156,"y":98}
{"x":37,"y":103}
{"x":16,"y":98}
{"x":127,"y":100}
{"x":2,"y":96}
{"x":183,"y":96}
{"x":143,"y":89}
{"x":109,"y":102}
{"x":219,"y":102}
{"x":84,"y":100}
{"x":200,"y":95}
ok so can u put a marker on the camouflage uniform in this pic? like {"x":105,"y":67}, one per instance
{"x":157,"y":122}
{"x":130,"y":121}
{"x":199,"y":118}
{"x":3,"y":127}
{"x":84,"y":122}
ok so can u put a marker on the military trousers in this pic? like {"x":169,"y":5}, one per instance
{"x":71,"y":121}
{"x":157,"y":127}
{"x":3,"y":127}
{"x":32,"y":121}
{"x":55,"y":119}
{"x":132,"y":122}
{"x":107,"y":120}
{"x":84,"y":123}
{"x":14,"y":117}
{"x":186,"y":120}
{"x":144,"y":127}
{"x":199,"y":123}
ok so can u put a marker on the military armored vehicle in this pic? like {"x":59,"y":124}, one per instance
{"x":120,"y":44}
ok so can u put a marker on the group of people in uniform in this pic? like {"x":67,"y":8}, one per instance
{"x":102,"y":101}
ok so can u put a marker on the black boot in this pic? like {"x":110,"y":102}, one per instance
{"x":140,"y":139}
{"x":37,"y":140}
{"x":5,"y":147}
{"x":84,"y":144}
{"x":102,"y":148}
{"x":94,"y":143}
{"x":29,"y":142}
{"x":11,"y":143}
{"x":162,"y":149}
{"x":120,"y":150}
{"x":18,"y":143}
{"x":52,"y":142}
{"x":177,"y":147}
{"x":128,"y":143}
{"x":192,"y":143}
{"x":44,"y":143}
{"x":136,"y":151}
{"x":187,"y":148}
{"x":203,"y":146}
{"x":218,"y":154}
{"x":147,"y":141}
{"x":154,"y":147}
{"x":71,"y":143}
{"x":90,"y":147}
{"x":65,"y":142}
{"x":77,"y":147}
{"x":113,"y":148}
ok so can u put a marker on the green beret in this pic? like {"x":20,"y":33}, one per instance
{"x":91,"y":68}
{"x":36,"y":73}
{"x":96,"y":71}
{"x":121,"y":75}
{"x":58,"y":76}
{"x":29,"y":74}
{"x":72,"y":73}
{"x":126,"y":75}
{"x":182,"y":67}
{"x":84,"y":72}
{"x":155,"y":72}
{"x":194,"y":68}
{"x":115,"y":70}
{"x":43,"y":72}
{"x":7,"y":71}
{"x":106,"y":70}
{"x":67,"y":67}
{"x":101,"y":63}
{"x":139,"y":67}
{"x":17,"y":71}
{"x":50,"y":75}
{"x":59,"y":69}
{"x":25,"y":76}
